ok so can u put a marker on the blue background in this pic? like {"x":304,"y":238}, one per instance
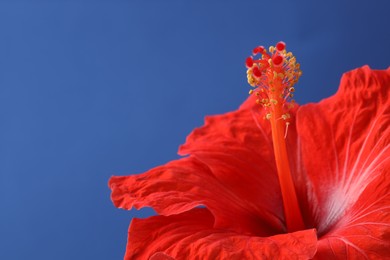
{"x":89,"y":89}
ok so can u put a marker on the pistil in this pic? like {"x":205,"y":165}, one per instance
{"x":292,"y":212}
{"x":273,"y":76}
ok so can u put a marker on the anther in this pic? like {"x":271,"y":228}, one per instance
{"x":286,"y":116}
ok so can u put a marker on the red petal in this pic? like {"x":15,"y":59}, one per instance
{"x":191,"y":235}
{"x":231,"y":171}
{"x":364,"y":230}
{"x":187,"y":183}
{"x":237,"y":147}
{"x":346,"y":156}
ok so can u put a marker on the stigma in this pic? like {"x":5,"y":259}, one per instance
{"x":273,"y":74}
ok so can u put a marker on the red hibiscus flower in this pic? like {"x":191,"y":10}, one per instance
{"x":273,"y":180}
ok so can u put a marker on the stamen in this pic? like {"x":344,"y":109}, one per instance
{"x":273,"y":76}
{"x":285,"y":133}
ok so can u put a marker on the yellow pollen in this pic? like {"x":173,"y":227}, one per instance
{"x":286,"y":116}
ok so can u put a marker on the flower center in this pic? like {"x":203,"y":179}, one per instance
{"x":272,"y":77}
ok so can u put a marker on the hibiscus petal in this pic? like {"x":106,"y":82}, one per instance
{"x":231,"y":171}
{"x":364,"y":230}
{"x":237,"y":147}
{"x":345,"y":148}
{"x":185,"y":184}
{"x":191,"y":235}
